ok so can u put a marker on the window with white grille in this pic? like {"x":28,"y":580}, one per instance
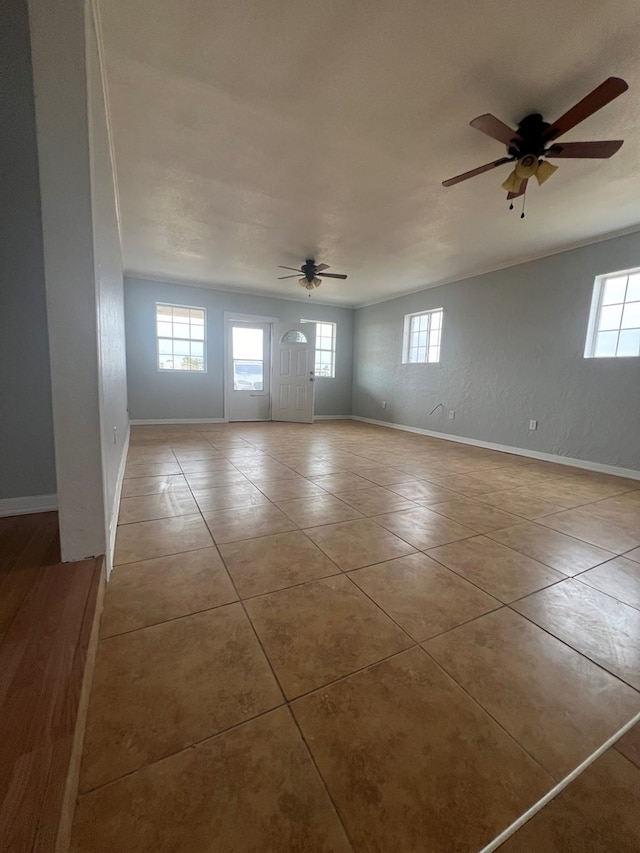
{"x":614,"y":322}
{"x":422,"y":337}
{"x":181,"y":333}
{"x":325,"y":347}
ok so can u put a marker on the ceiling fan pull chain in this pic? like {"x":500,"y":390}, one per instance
{"x":524,"y":196}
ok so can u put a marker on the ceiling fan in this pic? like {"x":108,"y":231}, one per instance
{"x":535,"y":139}
{"x":312,"y":274}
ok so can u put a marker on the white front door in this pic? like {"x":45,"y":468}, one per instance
{"x":294,"y":354}
{"x":249,"y":371}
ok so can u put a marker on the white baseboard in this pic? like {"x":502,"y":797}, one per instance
{"x":156,"y":421}
{"x":27,"y":505}
{"x":571,"y":461}
{"x":557,"y":789}
{"x":332,"y":417}
{"x":115,"y":508}
{"x":221,"y":420}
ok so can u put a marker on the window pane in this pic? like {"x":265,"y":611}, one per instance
{"x":180,"y":314}
{"x":614,"y":289}
{"x":610,"y":317}
{"x":247,"y":375}
{"x":164,"y":329}
{"x":631,"y":316}
{"x":629,"y":342}
{"x":434,"y":337}
{"x":606,"y":344}
{"x":197,"y":349}
{"x":422,"y":354}
{"x":180,"y":330}
{"x":422,"y":339}
{"x":436,"y":319}
{"x":165,"y":347}
{"x":293,"y":337}
{"x":247,"y":343}
{"x":181,"y":347}
{"x":633,"y":288}
{"x":434,"y":353}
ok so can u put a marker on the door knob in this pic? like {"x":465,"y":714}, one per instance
{"x":311,"y":380}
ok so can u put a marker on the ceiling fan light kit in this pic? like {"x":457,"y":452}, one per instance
{"x":535,"y":138}
{"x":309,"y":285}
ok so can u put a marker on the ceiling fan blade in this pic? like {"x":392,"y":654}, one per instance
{"x":486,"y":168}
{"x":289,"y":268}
{"x":521,"y":191}
{"x":585,"y":149}
{"x":331,"y":275}
{"x":321,"y":267}
{"x":594,"y":101}
{"x":494,"y":128}
{"x":282,"y":277}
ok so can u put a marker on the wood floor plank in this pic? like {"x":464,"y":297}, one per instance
{"x":27,"y":542}
{"x":41,"y":666}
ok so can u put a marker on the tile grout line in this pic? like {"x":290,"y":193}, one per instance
{"x":568,"y":645}
{"x":486,"y":592}
{"x":287,"y":703}
{"x":486,"y":711}
{"x":499,"y":840}
{"x":323,"y":781}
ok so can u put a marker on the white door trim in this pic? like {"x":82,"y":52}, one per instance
{"x":230,"y":317}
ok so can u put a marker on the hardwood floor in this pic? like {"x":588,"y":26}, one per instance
{"x":48,"y":613}
{"x":27,"y":542}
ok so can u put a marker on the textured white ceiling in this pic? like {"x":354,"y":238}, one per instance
{"x":252,"y":133}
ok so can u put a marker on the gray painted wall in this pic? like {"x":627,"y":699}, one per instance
{"x":154,"y":395}
{"x":512,"y":350}
{"x":27,"y":464}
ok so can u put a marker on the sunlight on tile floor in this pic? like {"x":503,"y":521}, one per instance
{"x":341,"y":637}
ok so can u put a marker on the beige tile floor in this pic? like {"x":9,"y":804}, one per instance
{"x":340,"y":637}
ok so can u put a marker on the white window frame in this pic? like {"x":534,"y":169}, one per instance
{"x":319,"y":349}
{"x":596,"y":311}
{"x":408,"y":334}
{"x":189,"y":340}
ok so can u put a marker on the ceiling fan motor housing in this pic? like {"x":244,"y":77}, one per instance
{"x":530,"y":131}
{"x":309,"y":269}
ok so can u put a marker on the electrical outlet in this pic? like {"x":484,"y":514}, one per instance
{"x":384,"y":404}
{"x":533,"y":424}
{"x":452,"y":414}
